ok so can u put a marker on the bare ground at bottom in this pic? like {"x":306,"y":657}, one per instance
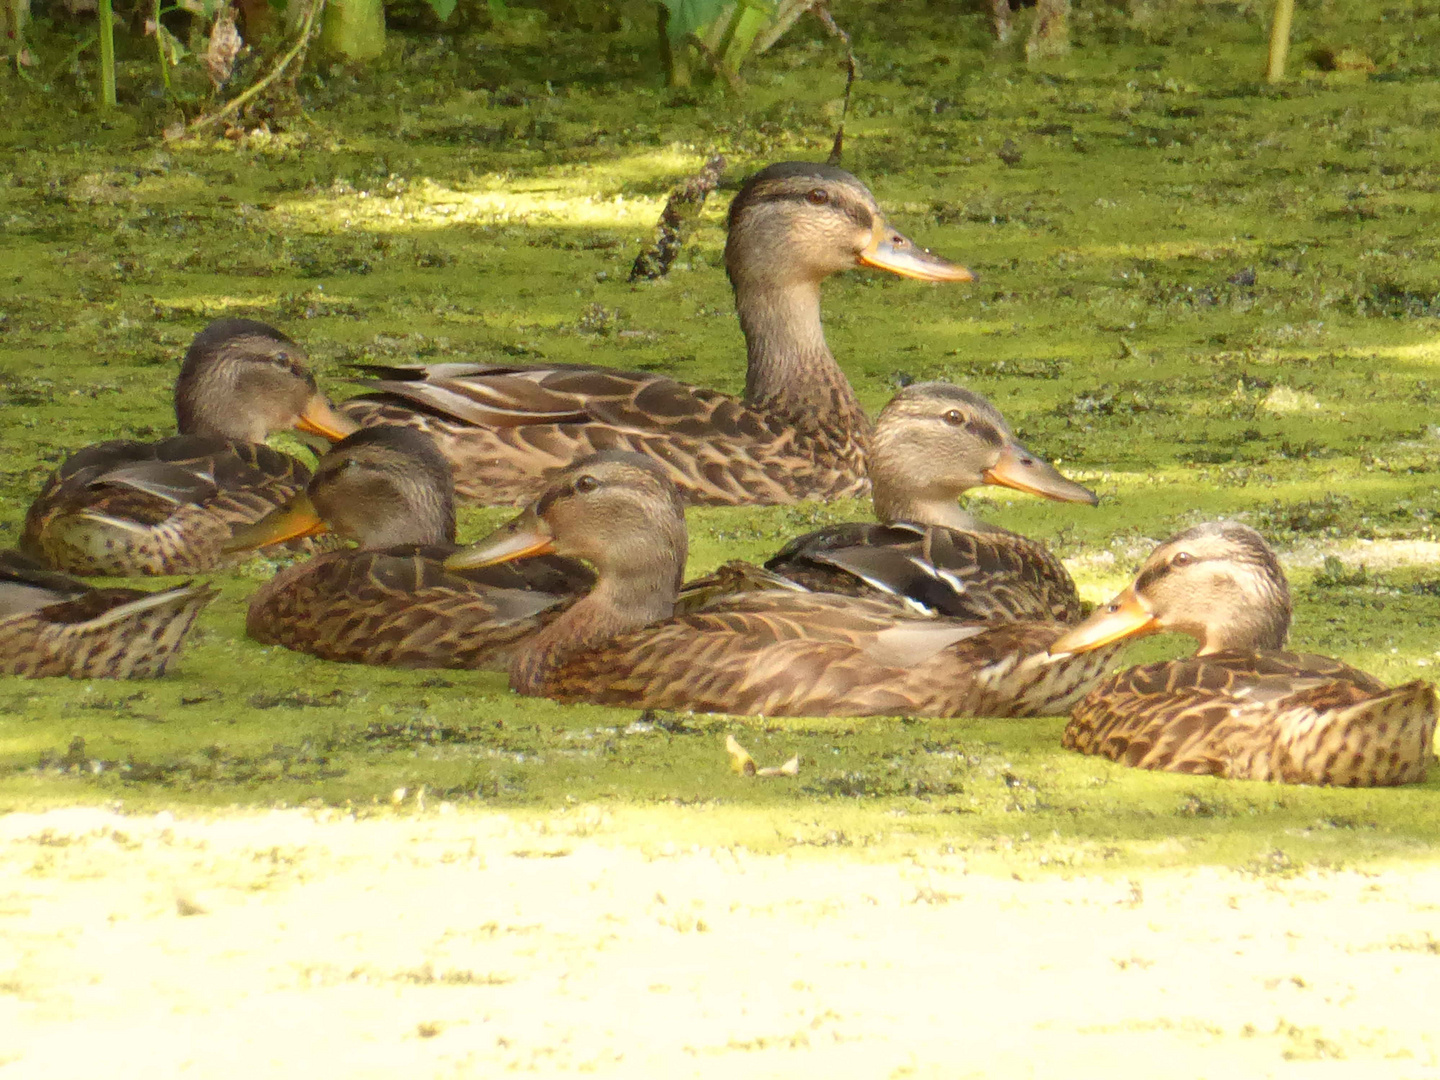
{"x":304,"y":944}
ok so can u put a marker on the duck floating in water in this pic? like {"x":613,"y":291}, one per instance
{"x":124,"y":508}
{"x":777,"y":653}
{"x":1241,"y":707}
{"x":799,"y":431}
{"x":391,"y":601}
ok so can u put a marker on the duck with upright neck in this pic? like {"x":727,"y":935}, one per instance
{"x":390,"y":601}
{"x":124,"y":508}
{"x":778,"y":652}
{"x":799,"y":431}
{"x":933,"y":442}
{"x":52,"y":624}
{"x":1242,"y":707}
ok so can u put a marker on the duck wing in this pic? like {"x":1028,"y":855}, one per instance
{"x":125,"y":507}
{"x":402,"y":608}
{"x":1289,"y":717}
{"x":507,"y":428}
{"x":51,"y":624}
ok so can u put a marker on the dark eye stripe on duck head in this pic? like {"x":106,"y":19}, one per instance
{"x":796,"y":181}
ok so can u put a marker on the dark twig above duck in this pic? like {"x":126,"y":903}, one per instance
{"x":1242,"y":707}
{"x":799,"y":431}
{"x":391,"y":601}
{"x":778,"y":652}
{"x":123,"y":507}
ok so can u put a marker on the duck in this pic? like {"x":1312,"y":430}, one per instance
{"x":798,"y":432}
{"x":125,"y":508}
{"x":390,"y":601}
{"x":53,"y":625}
{"x":778,"y":652}
{"x":933,"y":442}
{"x":1241,"y":708}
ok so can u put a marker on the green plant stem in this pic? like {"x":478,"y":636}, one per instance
{"x":1279,"y":40}
{"x":160,"y":48}
{"x":107,"y":54}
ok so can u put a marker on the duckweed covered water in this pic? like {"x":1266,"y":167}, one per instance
{"x":1201,"y":295}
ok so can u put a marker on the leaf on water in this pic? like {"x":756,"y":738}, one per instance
{"x":740,"y":759}
{"x":744,"y":764}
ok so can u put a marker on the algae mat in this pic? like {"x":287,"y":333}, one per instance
{"x":1202,"y":296}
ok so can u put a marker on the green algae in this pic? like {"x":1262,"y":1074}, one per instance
{"x":1202,"y":295}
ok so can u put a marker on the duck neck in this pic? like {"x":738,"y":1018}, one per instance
{"x":619,"y":603}
{"x":892,"y":506}
{"x":791,"y":371}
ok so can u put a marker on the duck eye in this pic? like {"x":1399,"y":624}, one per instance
{"x":1184,"y":558}
{"x":955,"y":418}
{"x":586,"y":484}
{"x":817,"y":196}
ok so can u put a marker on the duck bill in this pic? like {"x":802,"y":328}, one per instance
{"x":320,"y":418}
{"x":1018,"y":468}
{"x":295,"y":519}
{"x":1127,"y":616}
{"x":888,"y":250}
{"x":523,"y":538}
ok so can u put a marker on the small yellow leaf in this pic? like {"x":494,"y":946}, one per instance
{"x":740,"y":759}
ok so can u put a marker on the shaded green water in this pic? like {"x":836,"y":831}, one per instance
{"x":488,"y":201}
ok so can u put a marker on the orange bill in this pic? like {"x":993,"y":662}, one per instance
{"x":320,"y":418}
{"x":523,"y":538}
{"x":1126,"y":616}
{"x":295,"y":519}
{"x":888,"y":250}
{"x":1018,"y":468}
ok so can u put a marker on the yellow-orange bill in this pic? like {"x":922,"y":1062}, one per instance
{"x":295,"y":519}
{"x":1018,"y":468}
{"x":320,"y":418}
{"x":518,"y":540}
{"x":888,"y":250}
{"x":1126,"y":616}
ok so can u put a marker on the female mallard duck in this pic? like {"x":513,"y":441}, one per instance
{"x":1240,"y":708}
{"x":392,"y":601}
{"x":798,"y":432}
{"x":51,"y":624}
{"x":776,"y":653}
{"x":932,"y":443}
{"x":122,"y":508}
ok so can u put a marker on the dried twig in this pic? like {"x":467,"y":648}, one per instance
{"x":852,"y":72}
{"x":677,"y":220}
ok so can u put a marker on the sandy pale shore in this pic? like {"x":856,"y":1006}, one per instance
{"x":465,"y":945}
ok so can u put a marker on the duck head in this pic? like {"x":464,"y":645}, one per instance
{"x":244,"y":380}
{"x":1220,"y":583}
{"x":935,"y":441}
{"x":380,"y":487}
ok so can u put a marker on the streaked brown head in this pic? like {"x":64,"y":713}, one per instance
{"x":798,"y":221}
{"x":244,"y":380}
{"x":1219,"y":583}
{"x":380,"y":487}
{"x":616,"y":510}
{"x":934,"y":441}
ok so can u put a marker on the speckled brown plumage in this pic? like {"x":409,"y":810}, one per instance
{"x":90,"y":518}
{"x":779,"y":652}
{"x":124,"y":508}
{"x":1243,"y":708}
{"x":392,"y":602}
{"x":52,"y":625}
{"x":934,"y":442}
{"x":799,"y":431}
